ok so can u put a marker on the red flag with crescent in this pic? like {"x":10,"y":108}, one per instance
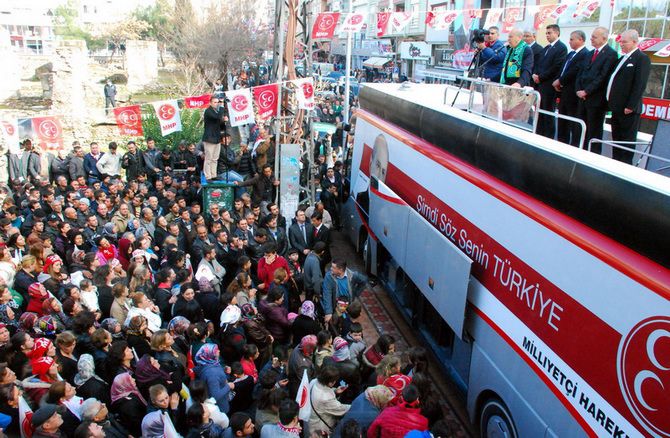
{"x":129,"y":120}
{"x":266,"y":97}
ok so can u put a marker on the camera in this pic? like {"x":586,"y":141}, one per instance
{"x":478,"y":36}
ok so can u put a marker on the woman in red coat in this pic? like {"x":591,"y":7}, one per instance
{"x":38,"y":294}
{"x":397,"y":421}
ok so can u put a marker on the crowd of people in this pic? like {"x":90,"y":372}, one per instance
{"x":579,"y":82}
{"x":128,"y":310}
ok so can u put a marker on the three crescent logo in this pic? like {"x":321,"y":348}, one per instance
{"x":326,"y":22}
{"x":239,"y":103}
{"x":9,"y":128}
{"x":128,"y":118}
{"x":49,"y":130}
{"x":166,"y":111}
{"x":266,"y":99}
{"x":355,"y":19}
{"x":643,"y":369}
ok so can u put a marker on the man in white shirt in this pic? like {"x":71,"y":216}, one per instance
{"x":110,"y":163}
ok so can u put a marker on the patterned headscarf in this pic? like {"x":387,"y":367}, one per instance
{"x":379,"y":396}
{"x":308,"y":344}
{"x":109,"y":324}
{"x":178,"y":325}
{"x":341,"y":349}
{"x":248,"y":311}
{"x":207,"y":355}
{"x":86,"y":368}
{"x":123,"y":386}
{"x":307,"y":309}
{"x":46,"y":325}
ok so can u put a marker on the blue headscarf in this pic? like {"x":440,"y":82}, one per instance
{"x":207,"y":355}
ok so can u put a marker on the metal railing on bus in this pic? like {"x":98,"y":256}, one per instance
{"x":506,"y":104}
{"x":556,"y":115}
{"x":643,"y":157}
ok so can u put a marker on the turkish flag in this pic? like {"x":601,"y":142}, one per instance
{"x":382,"y":23}
{"x":197,"y":102}
{"x":324,"y":25}
{"x":239,"y":107}
{"x":49,"y":132}
{"x":303,"y":398}
{"x":442,"y":20}
{"x":266,"y":97}
{"x":129,"y":120}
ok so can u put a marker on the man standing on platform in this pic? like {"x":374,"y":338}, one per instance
{"x":591,"y":85}
{"x":624,"y":93}
{"x":215,"y":123}
{"x":544,"y":73}
{"x":529,"y":38}
{"x":569,"y":132}
{"x":518,"y":63}
{"x":492,"y":55}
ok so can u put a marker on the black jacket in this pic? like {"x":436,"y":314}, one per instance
{"x":629,"y":83}
{"x":133,"y":163}
{"x":594,"y":76}
{"x":549,"y":66}
{"x":568,"y":77}
{"x":213,"y":125}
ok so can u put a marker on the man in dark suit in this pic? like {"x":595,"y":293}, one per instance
{"x":301,"y":235}
{"x":518,"y":65}
{"x":569,"y":132}
{"x":321,"y":234}
{"x":624,"y":93}
{"x":529,"y":38}
{"x":591,"y":85}
{"x":545,"y":73}
{"x":215,"y":119}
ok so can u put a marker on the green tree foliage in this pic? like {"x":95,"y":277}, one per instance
{"x":191,"y":123}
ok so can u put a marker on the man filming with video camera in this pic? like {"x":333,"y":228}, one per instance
{"x":491,"y":53}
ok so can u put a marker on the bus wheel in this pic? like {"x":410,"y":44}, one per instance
{"x":495,"y":421}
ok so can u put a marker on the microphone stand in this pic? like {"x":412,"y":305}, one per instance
{"x":477,"y":56}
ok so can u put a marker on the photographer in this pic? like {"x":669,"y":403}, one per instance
{"x":491,"y":56}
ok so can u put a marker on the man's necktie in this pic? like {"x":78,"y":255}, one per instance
{"x":595,"y":55}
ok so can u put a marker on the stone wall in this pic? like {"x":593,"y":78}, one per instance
{"x":68,"y":92}
{"x":141,"y":63}
{"x":11,"y":70}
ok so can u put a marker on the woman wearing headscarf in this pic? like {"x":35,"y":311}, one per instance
{"x":52,"y":307}
{"x":178,"y":327}
{"x":45,"y":372}
{"x":232,"y":335}
{"x":9,"y":309}
{"x":346,"y":367}
{"x":38,"y":294}
{"x":106,"y":250}
{"x":88,"y":383}
{"x":366,"y":407}
{"x":208,"y":369}
{"x":186,"y":305}
{"x":138,"y":336}
{"x":27,"y":321}
{"x":148,"y":372}
{"x":301,"y":360}
{"x":125,"y":250}
{"x":305,"y":323}
{"x":256,"y":333}
{"x":127,"y":403}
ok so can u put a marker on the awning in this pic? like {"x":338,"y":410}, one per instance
{"x":376,"y":62}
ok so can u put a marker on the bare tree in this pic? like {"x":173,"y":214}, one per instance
{"x":217,"y":39}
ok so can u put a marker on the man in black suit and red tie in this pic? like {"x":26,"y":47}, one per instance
{"x":569,"y":132}
{"x":591,"y":86}
{"x":624,"y":93}
{"x":545,"y":73}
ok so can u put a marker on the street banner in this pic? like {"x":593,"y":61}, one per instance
{"x":655,"y":109}
{"x":473,"y":13}
{"x":353,"y":22}
{"x":542,"y":15}
{"x":399,"y":20}
{"x":324,"y":25}
{"x":664,"y":52}
{"x":48,"y":132}
{"x":303,"y":398}
{"x":304,"y":91}
{"x":197,"y":102}
{"x":129,"y":120}
{"x":511,"y":17}
{"x":240,"y":109}
{"x":493,"y":17}
{"x":167,"y":112}
{"x":382,"y":23}
{"x":560,"y":10}
{"x":441,"y":20}
{"x":265,"y":97}
{"x":10,"y":132}
{"x":586,"y":8}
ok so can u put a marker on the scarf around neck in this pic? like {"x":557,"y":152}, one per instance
{"x":513,"y":62}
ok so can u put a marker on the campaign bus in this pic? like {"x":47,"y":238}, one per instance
{"x":537,"y":272}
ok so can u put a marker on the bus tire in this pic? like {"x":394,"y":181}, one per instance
{"x":495,"y":420}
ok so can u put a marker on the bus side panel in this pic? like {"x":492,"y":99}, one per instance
{"x":490,"y":349}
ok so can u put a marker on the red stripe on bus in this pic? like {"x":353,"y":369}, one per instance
{"x":559,"y":394}
{"x":634,"y":265}
{"x":388,"y":198}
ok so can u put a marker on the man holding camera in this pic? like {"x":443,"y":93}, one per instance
{"x":492,"y":55}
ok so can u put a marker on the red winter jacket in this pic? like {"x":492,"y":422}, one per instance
{"x":396,"y":421}
{"x":266,"y":272}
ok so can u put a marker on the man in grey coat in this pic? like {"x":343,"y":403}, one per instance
{"x":76,"y":166}
{"x":312,"y":273}
{"x":25,"y":164}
